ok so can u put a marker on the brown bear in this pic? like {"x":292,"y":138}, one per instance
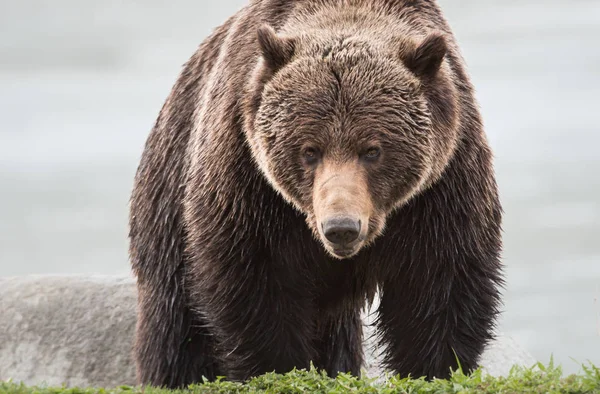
{"x":312,"y":154}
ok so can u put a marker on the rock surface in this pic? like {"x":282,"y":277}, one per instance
{"x":78,"y":331}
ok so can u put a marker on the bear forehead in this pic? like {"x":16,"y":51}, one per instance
{"x":316,"y":89}
{"x":357,"y":80}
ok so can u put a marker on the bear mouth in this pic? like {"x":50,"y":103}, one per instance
{"x":345,"y":251}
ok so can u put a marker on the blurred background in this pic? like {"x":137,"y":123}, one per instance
{"x":82,"y":82}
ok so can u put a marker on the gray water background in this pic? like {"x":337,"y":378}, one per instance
{"x":81,"y":83}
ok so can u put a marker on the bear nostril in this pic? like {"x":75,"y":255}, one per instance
{"x":341,"y":230}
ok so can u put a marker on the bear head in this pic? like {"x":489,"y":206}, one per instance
{"x":348,"y":130}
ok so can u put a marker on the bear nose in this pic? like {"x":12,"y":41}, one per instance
{"x":341,"y":230}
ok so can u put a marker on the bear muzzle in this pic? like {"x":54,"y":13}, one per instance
{"x":342,"y":208}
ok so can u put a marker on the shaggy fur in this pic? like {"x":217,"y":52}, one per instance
{"x":290,"y":113}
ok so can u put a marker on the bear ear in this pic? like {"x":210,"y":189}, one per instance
{"x":426,"y":59}
{"x":276,"y":50}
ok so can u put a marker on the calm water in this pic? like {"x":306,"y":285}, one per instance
{"x":81,"y":84}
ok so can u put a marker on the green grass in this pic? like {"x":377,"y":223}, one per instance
{"x":537,"y":379}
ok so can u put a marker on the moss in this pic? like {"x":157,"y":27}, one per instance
{"x":536,"y":379}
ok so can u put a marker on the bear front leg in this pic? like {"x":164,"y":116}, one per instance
{"x":424,"y":336}
{"x":261,"y":321}
{"x":340,"y":344}
{"x":441,"y":272}
{"x":172,"y":348}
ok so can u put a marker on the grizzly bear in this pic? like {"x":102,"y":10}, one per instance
{"x":313,"y":154}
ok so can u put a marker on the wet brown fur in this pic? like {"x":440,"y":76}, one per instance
{"x":233,"y":276}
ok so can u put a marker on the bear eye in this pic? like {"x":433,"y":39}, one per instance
{"x":311,"y":155}
{"x":372,"y":154}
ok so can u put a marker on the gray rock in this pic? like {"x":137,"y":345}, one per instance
{"x":72,"y":330}
{"x":78,"y":331}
